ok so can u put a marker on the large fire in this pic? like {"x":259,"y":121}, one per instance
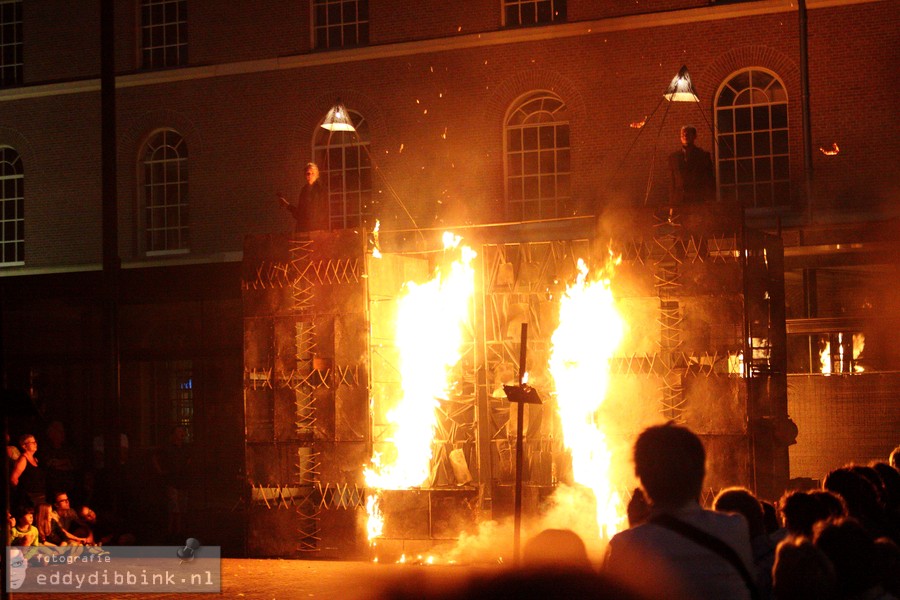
{"x":429,"y":335}
{"x":589,"y":332}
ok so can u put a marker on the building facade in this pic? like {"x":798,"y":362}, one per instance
{"x":489,"y":111}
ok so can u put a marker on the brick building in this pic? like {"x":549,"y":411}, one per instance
{"x":466,"y":113}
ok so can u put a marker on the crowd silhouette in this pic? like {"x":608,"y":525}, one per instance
{"x":837,"y":542}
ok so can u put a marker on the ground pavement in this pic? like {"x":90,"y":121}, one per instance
{"x":256,"y":579}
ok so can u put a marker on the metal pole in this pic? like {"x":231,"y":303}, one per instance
{"x":520,"y":414}
{"x":110,"y":232}
{"x":805,"y":108}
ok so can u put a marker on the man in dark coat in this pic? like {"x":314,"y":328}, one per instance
{"x":311,"y":210}
{"x":691,"y":168}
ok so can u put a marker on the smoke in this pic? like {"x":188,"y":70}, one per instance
{"x":570,"y":507}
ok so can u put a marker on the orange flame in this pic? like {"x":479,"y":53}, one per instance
{"x":833,"y":151}
{"x":429,"y":335}
{"x":859,"y":344}
{"x":638,"y":124}
{"x":825,"y":359}
{"x":589,"y":332}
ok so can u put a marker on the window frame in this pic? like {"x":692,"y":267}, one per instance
{"x":756,"y":180}
{"x":173,"y":19}
{"x":148,"y":205}
{"x":15,"y":68}
{"x":16,"y":181}
{"x":338,"y":146}
{"x":321,"y":34}
{"x":562,"y":179}
{"x":552,"y":11}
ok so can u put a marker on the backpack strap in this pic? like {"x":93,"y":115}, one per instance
{"x":710,"y":542}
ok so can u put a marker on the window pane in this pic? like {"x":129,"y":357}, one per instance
{"x":761,"y":117}
{"x":562,"y":162}
{"x":742,"y":120}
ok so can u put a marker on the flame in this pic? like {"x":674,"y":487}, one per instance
{"x":833,"y":151}
{"x":825,"y":359}
{"x":429,"y":335}
{"x":375,"y":522}
{"x":638,"y":124}
{"x":590,"y":330}
{"x":859,"y":344}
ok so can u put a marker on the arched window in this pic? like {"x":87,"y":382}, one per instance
{"x":164,"y":181}
{"x":537,"y":157}
{"x":346,"y":171}
{"x":752,"y":140}
{"x":12,"y":208}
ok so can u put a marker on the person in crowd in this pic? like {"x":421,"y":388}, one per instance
{"x":63,"y":512}
{"x":861,"y":497}
{"x":556,"y":549}
{"x":894,"y":458}
{"x":311,"y":211}
{"x":851,"y":549}
{"x":682,"y":550}
{"x":24,"y":533}
{"x":12,"y":453}
{"x":51,"y":530}
{"x":801,"y":510}
{"x":691,"y":170}
{"x":802,"y":572}
{"x":741,"y":501}
{"x":102,"y":529}
{"x":59,"y":460}
{"x":27,"y":477}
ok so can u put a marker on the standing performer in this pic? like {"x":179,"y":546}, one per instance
{"x":311,"y":210}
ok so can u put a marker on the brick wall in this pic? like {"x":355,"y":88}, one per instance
{"x":436,"y":121}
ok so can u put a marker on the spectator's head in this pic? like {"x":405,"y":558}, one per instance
{"x":801,"y":511}
{"x":28,"y":443}
{"x":894,"y":458}
{"x":852,"y":552}
{"x":555,"y":548}
{"x":61,"y":502}
{"x":802,"y":571}
{"x":24,"y":518}
{"x":890,"y":485}
{"x":670,"y":462}
{"x":87,"y":515}
{"x":742,"y":501}
{"x":833,"y":505}
{"x":860,"y":494}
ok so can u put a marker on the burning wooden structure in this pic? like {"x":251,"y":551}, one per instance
{"x":704,"y":344}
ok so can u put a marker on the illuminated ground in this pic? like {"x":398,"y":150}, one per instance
{"x":298,"y":579}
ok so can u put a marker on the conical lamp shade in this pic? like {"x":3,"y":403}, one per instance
{"x":681,"y":90}
{"x":338,"y":119}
